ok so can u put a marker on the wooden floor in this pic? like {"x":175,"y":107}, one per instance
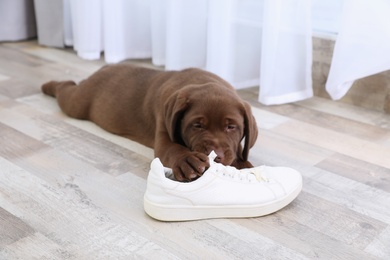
{"x":69,"y":190}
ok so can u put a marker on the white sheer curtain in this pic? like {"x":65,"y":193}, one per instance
{"x":246,"y":42}
{"x":286,"y":58}
{"x":17,"y":20}
{"x":234,"y":41}
{"x":223,"y":36}
{"x":363,"y":44}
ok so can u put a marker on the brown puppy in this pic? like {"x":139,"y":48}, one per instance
{"x":183,"y":115}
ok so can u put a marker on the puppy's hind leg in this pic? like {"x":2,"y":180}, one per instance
{"x":69,"y":97}
{"x":50,"y":88}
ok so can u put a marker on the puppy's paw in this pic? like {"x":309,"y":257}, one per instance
{"x":49,"y":88}
{"x":190,"y":166}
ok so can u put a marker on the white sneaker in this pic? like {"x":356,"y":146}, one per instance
{"x":221,"y":192}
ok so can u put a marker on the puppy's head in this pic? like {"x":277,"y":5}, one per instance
{"x":207,"y":117}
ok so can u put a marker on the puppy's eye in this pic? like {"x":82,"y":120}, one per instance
{"x":231,"y":127}
{"x":197,"y":126}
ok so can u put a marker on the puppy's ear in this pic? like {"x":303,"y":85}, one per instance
{"x":250,"y":131}
{"x":175,"y":107}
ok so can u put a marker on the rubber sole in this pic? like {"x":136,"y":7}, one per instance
{"x":165,"y":212}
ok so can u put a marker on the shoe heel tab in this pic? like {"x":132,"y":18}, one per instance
{"x":160,"y":170}
{"x":156,"y":165}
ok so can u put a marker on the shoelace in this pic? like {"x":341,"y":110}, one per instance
{"x":258,"y":173}
{"x":241,"y":175}
{"x":234,"y":173}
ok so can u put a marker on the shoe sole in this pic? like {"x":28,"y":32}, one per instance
{"x":164,"y":212}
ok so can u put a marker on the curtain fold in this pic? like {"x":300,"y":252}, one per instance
{"x":234,"y":41}
{"x":49,"y":17}
{"x":67,"y":23}
{"x":363,"y":45}
{"x":17,"y":20}
{"x":219,"y":30}
{"x":126,"y":30}
{"x":158,"y":18}
{"x":286,"y":57}
{"x":87,"y":27}
{"x":186,"y":34}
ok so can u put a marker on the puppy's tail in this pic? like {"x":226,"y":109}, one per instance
{"x":50,"y":88}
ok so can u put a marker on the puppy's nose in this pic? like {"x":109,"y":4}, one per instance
{"x":219,"y":158}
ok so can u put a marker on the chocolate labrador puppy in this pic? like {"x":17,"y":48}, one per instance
{"x":183,"y":115}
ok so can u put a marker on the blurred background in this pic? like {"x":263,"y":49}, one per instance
{"x":291,"y":49}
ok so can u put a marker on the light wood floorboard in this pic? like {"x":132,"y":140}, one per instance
{"x":70,"y":190}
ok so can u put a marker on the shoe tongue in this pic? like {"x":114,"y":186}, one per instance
{"x":212,"y":157}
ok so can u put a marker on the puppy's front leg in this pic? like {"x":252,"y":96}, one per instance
{"x":186,"y":165}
